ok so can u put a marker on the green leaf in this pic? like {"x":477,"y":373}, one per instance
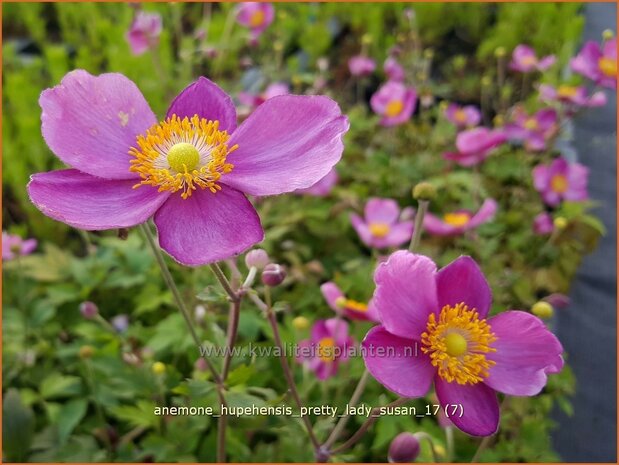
{"x":69,"y":417}
{"x":57,"y":385}
{"x":17,"y":427}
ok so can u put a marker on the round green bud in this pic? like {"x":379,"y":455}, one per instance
{"x":424,"y":191}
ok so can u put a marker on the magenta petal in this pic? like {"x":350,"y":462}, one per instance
{"x":331,"y":293}
{"x":397,"y":363}
{"x":207,"y":227}
{"x":525,"y":352}
{"x":207,"y":100}
{"x":362,"y":230}
{"x":399,"y":234}
{"x":289,"y":142}
{"x":86,"y":202}
{"x":437,"y":227}
{"x":463,"y":281}
{"x":477,"y":403}
{"x":381,"y":211}
{"x":485,"y":213}
{"x":405,"y":293}
{"x":91,"y":122}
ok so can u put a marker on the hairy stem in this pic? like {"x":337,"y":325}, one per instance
{"x":421,"y":213}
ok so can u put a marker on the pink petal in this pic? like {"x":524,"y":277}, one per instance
{"x":437,"y":227}
{"x":406,"y":293}
{"x":207,"y":227}
{"x":546,"y":62}
{"x":477,"y":403}
{"x":91,"y":122}
{"x":397,"y":363}
{"x":289,"y":142}
{"x":399,"y":234}
{"x":331,"y":292}
{"x":381,"y":211}
{"x":484,"y":214}
{"x":362,"y":230}
{"x":525,"y":352}
{"x":463,"y":281}
{"x":91,"y":203}
{"x":207,"y":100}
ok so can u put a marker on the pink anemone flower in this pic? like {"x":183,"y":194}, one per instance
{"x":394,"y":102}
{"x":323,"y":187}
{"x":571,"y":96}
{"x":543,"y":224}
{"x":525,"y":60}
{"x":393,"y":70}
{"x":14,"y":246}
{"x":463,"y":117}
{"x":533,"y":130}
{"x":328,"y":346}
{"x":190,"y":172}
{"x":361,"y":65}
{"x":598,"y":63}
{"x":144,"y":32}
{"x":435,"y":329}
{"x":475,"y":145}
{"x":381,"y":226}
{"x":256,"y":16}
{"x":344,"y":306}
{"x":458,"y":222}
{"x":561,"y":181}
{"x":273,"y":90}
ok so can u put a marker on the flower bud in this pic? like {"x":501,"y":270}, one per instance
{"x":542,"y":310}
{"x":486,"y":81}
{"x":500,"y":52}
{"x":273,"y":274}
{"x":608,"y":34}
{"x":278,"y":46}
{"x":366,"y":39}
{"x":120,"y":323}
{"x":158,"y":368}
{"x":428,"y":53}
{"x":560,"y":223}
{"x":257,"y":258}
{"x":404,"y":448}
{"x":300,"y":323}
{"x":459,"y":62}
{"x":89,"y":310}
{"x":86,"y":351}
{"x":200,"y":364}
{"x":199,"y":313}
{"x":558,"y":300}
{"x":424,"y":191}
{"x":498,"y":121}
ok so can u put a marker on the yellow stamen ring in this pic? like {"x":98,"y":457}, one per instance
{"x":182,"y":155}
{"x":457,"y":343}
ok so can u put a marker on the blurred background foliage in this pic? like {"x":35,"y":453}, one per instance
{"x":65,"y":406}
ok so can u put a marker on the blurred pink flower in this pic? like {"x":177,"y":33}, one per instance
{"x":343,"y":306}
{"x":273,"y":90}
{"x":328,"y":346}
{"x":463,"y":116}
{"x":323,"y":187}
{"x":458,"y":222}
{"x":381,"y":227}
{"x":144,"y":32}
{"x":475,"y":145}
{"x":543,"y":224}
{"x":561,"y":181}
{"x":256,"y":16}
{"x":361,"y":65}
{"x":525,"y":60}
{"x":571,"y":96}
{"x":393,"y":70}
{"x":394,"y":102}
{"x":14,"y":246}
{"x":533,"y":130}
{"x":598,"y":63}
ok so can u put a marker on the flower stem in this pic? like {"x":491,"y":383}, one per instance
{"x":233,"y":326}
{"x":270,"y":314}
{"x":221,"y":277}
{"x":482,"y":446}
{"x":421,"y":213}
{"x":426,"y":436}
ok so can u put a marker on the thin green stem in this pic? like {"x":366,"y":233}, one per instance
{"x":421,"y":213}
{"x":482,"y":446}
{"x":233,"y":327}
{"x":428,"y":438}
{"x":221,"y":277}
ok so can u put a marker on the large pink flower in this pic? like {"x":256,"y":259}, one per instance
{"x":344,"y":306}
{"x":323,"y":187}
{"x":328,"y":346}
{"x":434,"y":330}
{"x":381,"y":226}
{"x":457,"y":222}
{"x":144,"y":32}
{"x":394,"y":102}
{"x":475,"y":145}
{"x":525,"y":60}
{"x":533,"y":130}
{"x":598,"y":63}
{"x":257,"y":16}
{"x":190,"y":171}
{"x":561,"y":180}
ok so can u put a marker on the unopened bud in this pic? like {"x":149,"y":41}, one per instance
{"x":459,"y":62}
{"x":404,"y":448}
{"x":486,"y":81}
{"x":498,"y":121}
{"x":366,"y":39}
{"x":278,"y":46}
{"x":608,"y":34}
{"x":199,"y":313}
{"x":89,"y":310}
{"x":300,"y":323}
{"x":257,"y":258}
{"x":558,"y":300}
{"x":424,"y":191}
{"x":273,"y":274}
{"x":86,"y":351}
{"x":542,"y":310}
{"x":500,"y":52}
{"x":200,"y":364}
{"x":428,"y":53}
{"x":158,"y":368}
{"x":560,"y":223}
